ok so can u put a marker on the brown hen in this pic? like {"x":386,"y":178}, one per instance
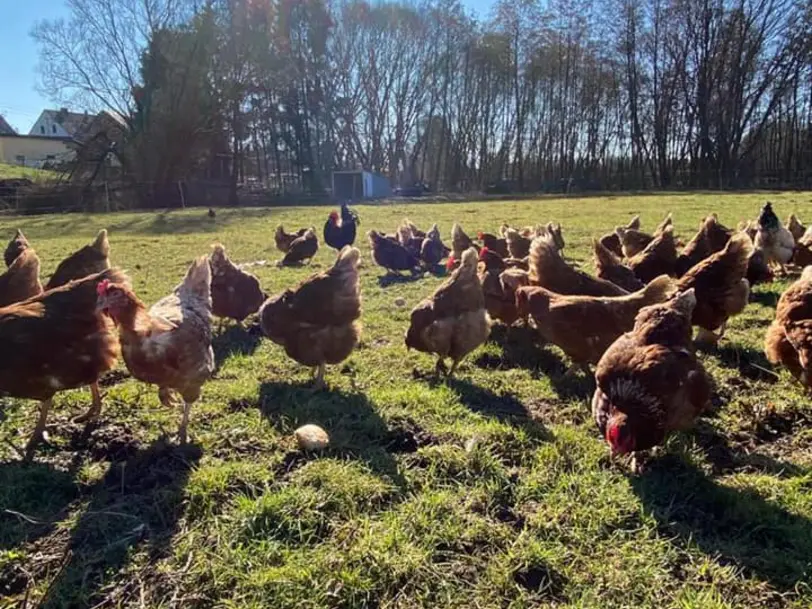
{"x":584,"y":326}
{"x":659,"y":257}
{"x":453,"y":321}
{"x":301,"y":249}
{"x":283,"y":240}
{"x":795,"y":227}
{"x":15,"y":247}
{"x":54,"y":342}
{"x":168,"y":345}
{"x":432,"y":249}
{"x":517,"y":246}
{"x":610,"y":268}
{"x":720,"y":287}
{"x":710,"y":238}
{"x":460,"y":242}
{"x":611,"y":241}
{"x":649,"y":382}
{"x":235,"y":294}
{"x":89,"y":260}
{"x":549,"y":270}
{"x":633,"y":241}
{"x":495,"y":245}
{"x":316,"y":322}
{"x":390,"y":254}
{"x":21,"y":280}
{"x":789,"y":337}
{"x":499,"y":285}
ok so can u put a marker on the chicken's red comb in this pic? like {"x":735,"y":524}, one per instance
{"x":451,"y":262}
{"x":102,"y":287}
{"x":480,"y":235}
{"x":613,"y":435}
{"x":483,"y":252}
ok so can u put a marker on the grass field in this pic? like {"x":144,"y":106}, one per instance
{"x":15,"y":171}
{"x":398,"y":513}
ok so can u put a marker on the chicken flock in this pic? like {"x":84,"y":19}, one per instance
{"x":633,"y":322}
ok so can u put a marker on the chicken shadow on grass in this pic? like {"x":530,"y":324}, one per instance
{"x":137,"y":504}
{"x":751,"y":363}
{"x":767,"y":299}
{"x":505,"y":407}
{"x":396,"y":278}
{"x":33,"y":497}
{"x":235,"y":340}
{"x":522,"y":348}
{"x":730,"y":525}
{"x":726,"y":457}
{"x":351,"y":420}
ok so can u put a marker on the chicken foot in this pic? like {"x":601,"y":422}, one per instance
{"x":39,"y":430}
{"x":440,"y":368}
{"x":575,"y":367}
{"x":706,"y":337}
{"x":95,"y":407}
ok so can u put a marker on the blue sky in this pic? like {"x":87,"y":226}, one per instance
{"x":20,"y":103}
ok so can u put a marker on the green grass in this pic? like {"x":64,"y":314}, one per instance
{"x":16,"y":171}
{"x":397,"y":513}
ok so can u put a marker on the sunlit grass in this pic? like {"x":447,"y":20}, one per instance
{"x":492,"y":490}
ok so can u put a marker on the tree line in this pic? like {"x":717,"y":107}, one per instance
{"x":550,"y":96}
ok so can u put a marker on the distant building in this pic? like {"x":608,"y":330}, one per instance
{"x":60,"y":136}
{"x":5,"y":128}
{"x":359,"y":184}
{"x":60,"y":123}
{"x":33,"y":150}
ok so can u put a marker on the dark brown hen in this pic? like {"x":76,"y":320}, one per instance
{"x":612,"y":269}
{"x":549,"y":270}
{"x":54,"y":342}
{"x":649,"y":382}
{"x":390,"y":254}
{"x":789,"y":337}
{"x":720,"y":287}
{"x":235,"y":294}
{"x":21,"y":280}
{"x":302,"y":248}
{"x":89,"y":260}
{"x":453,"y":321}
{"x":316,"y":322}
{"x":15,"y":247}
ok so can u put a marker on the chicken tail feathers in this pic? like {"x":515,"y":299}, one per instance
{"x":685,"y":302}
{"x":604,"y":257}
{"x":660,"y":289}
{"x":198,"y":279}
{"x":348,"y":258}
{"x":102,"y":244}
{"x":740,"y":244}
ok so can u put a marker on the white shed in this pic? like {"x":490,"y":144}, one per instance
{"x":353,"y":185}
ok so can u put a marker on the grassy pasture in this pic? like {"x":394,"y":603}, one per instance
{"x":398,"y":513}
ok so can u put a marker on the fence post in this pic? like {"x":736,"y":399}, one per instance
{"x":182,"y":198}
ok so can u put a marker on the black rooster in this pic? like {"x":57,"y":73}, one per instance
{"x":341,"y":232}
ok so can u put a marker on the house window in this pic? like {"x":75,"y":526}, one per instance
{"x":53,"y":128}
{"x":42,"y":129}
{"x":20,"y":158}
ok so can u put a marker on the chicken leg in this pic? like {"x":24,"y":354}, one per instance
{"x":36,"y":437}
{"x":319,"y":376}
{"x":184,"y":422}
{"x":439,"y":367}
{"x":95,"y":407}
{"x":453,"y":368}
